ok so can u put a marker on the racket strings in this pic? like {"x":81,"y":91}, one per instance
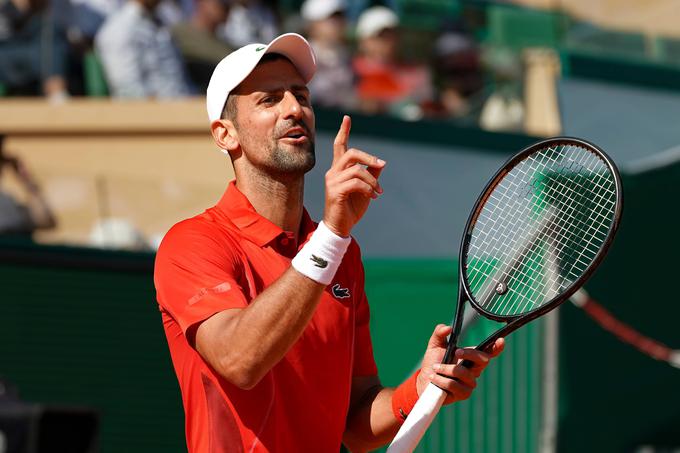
{"x":504,"y":238}
{"x":524,"y":281}
{"x":591,"y":231}
{"x":594,"y":237}
{"x":511,"y":184}
{"x":540,"y":229}
{"x":500,"y":202}
{"x":601,"y":213}
{"x":524,"y":278}
{"x":599,"y":199}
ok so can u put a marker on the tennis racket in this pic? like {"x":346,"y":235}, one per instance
{"x":536,"y":233}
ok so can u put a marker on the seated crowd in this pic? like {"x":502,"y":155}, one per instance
{"x":168,"y":48}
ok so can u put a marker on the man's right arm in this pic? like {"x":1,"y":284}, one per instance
{"x":243,"y":344}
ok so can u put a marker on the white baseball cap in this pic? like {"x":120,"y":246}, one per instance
{"x":374,"y":20}
{"x":321,"y":9}
{"x":235,"y":67}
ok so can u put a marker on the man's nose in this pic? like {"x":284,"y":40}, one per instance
{"x":291,"y":106}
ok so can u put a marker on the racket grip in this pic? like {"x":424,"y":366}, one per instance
{"x":418,"y":420}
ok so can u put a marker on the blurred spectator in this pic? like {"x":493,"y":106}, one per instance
{"x":249,"y":21}
{"x":34,"y":214}
{"x":333,"y":85}
{"x":198,"y":43}
{"x":33,"y":50}
{"x":504,"y":109}
{"x":171,"y":12}
{"x":138,"y":55}
{"x":187,"y":7}
{"x":87,"y":16}
{"x":458,"y":75}
{"x":384,"y":83}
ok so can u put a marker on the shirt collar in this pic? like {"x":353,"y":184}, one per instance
{"x":259,"y":230}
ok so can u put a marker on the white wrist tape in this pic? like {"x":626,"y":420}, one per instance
{"x":321,"y":256}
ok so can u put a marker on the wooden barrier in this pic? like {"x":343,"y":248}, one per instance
{"x":150,"y":162}
{"x":651,"y":17}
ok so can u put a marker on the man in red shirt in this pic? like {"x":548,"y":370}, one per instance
{"x":264,"y":310}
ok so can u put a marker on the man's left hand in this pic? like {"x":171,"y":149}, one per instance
{"x":457,"y":380}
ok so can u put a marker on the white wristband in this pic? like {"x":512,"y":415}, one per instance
{"x":321,"y":256}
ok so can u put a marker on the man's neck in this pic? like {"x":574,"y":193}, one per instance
{"x":279,"y":201}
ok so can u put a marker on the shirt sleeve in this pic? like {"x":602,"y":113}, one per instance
{"x":364,"y":362}
{"x":197,"y":275}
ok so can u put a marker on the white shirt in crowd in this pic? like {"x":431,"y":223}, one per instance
{"x":138,"y":55}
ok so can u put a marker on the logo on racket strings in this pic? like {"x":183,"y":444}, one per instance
{"x":501,"y":288}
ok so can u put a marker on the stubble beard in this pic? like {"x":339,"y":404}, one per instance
{"x":293,"y":159}
{"x":286,"y":159}
{"x":283,"y":161}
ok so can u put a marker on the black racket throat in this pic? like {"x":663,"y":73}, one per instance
{"x":537,"y":232}
{"x":511,"y":325}
{"x":449,"y":356}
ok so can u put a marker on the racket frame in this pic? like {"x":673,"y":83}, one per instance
{"x":516,"y":321}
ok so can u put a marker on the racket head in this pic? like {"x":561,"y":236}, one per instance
{"x":526,"y":200}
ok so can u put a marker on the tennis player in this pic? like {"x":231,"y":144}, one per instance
{"x":264,"y":310}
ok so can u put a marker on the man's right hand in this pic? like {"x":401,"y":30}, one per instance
{"x":351,"y":183}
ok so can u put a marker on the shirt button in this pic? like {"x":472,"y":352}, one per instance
{"x":284,"y":241}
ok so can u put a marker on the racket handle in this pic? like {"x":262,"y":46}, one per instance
{"x":418,"y":420}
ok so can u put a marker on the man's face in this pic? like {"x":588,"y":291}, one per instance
{"x":274,"y":119}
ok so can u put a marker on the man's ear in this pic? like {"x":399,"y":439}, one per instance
{"x":225,"y":135}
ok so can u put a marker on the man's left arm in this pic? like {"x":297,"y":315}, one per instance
{"x":372,"y":422}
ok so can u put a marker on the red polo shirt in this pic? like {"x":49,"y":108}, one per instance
{"x":223,"y":259}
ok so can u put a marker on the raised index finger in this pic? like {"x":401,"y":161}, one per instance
{"x":340,"y":143}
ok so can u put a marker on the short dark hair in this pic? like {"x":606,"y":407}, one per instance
{"x":229,"y":111}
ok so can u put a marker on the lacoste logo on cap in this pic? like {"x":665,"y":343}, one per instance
{"x":340,"y":293}
{"x":319,"y":262}
{"x":259,"y":49}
